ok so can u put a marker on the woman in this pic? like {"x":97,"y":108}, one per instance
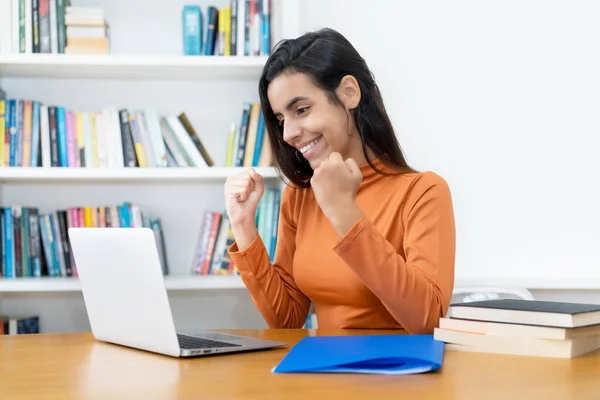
{"x":363,"y":237}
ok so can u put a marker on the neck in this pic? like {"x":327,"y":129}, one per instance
{"x":355,"y":150}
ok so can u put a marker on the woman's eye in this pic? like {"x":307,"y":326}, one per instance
{"x":280,"y":122}
{"x":302,"y":110}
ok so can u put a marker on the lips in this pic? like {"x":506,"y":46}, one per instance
{"x":309,"y":145}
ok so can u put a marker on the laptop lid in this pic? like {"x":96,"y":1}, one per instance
{"x":123,"y":288}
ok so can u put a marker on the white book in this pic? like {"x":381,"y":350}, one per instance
{"x":53,"y":28}
{"x":145,"y":139}
{"x":158,"y":144}
{"x":172,"y":143}
{"x":16,"y":44}
{"x":241,"y":25}
{"x":45,"y":136}
{"x":28,"y":27}
{"x":115,"y":152}
{"x":186,"y":141}
{"x":6,"y":27}
{"x":101,"y":138}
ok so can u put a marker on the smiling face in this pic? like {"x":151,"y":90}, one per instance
{"x":311,"y":122}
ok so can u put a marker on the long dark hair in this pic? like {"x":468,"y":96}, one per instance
{"x":326,"y":57}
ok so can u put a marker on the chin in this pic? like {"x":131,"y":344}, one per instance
{"x":315,"y":163}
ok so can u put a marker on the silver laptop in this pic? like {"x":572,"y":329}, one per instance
{"x":126,"y":299}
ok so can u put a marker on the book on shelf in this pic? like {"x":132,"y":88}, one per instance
{"x":211,"y":255}
{"x":36,"y":244}
{"x":522,"y":327}
{"x":248,"y":145}
{"x":36,"y":134}
{"x":51,"y":27}
{"x":241,"y":28}
{"x":19,"y":324}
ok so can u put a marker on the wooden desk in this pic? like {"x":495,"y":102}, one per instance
{"x":75,"y":366}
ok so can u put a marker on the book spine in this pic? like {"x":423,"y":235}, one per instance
{"x":211,"y":30}
{"x":137,"y":142}
{"x":16,"y":219}
{"x":128,"y":150}
{"x":60,"y":26}
{"x":35,"y":134}
{"x":13,"y":133}
{"x":54,"y":147}
{"x":57,"y":244}
{"x":47,"y":245}
{"x":239,"y":159}
{"x":3,"y":244}
{"x":233,"y":31}
{"x":61,"y":125}
{"x":22,"y":24}
{"x":265,"y":48}
{"x":210,"y":245}
{"x":35,"y":25}
{"x":45,"y":136}
{"x":44,"y":22}
{"x":25,"y":241}
{"x":53,"y":27}
{"x":66,"y":251}
{"x":9,"y":271}
{"x":3,"y":126}
{"x":35,"y":243}
{"x":71,"y":140}
{"x":192,"y":28}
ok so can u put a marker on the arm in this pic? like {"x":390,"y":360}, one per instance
{"x":416,"y":289}
{"x":272,"y":286}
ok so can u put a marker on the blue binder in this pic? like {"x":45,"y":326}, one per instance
{"x":365,"y":354}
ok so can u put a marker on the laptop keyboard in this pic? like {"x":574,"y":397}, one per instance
{"x":192,"y":342}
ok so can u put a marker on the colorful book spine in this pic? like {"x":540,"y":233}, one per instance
{"x":35,"y":134}
{"x":192,"y":30}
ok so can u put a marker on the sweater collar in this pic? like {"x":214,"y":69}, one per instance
{"x":368,"y":172}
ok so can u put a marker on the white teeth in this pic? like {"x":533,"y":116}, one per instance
{"x":310,"y":145}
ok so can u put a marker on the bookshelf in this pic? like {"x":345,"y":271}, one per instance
{"x":130,"y":66}
{"x":175,"y":282}
{"x":66,"y":175}
{"x":140,"y":74}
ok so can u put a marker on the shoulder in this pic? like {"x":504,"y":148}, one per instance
{"x":426,"y":180}
{"x":424,"y":186}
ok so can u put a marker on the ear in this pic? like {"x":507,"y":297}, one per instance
{"x":349,"y":92}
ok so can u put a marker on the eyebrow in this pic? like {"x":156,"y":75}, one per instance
{"x":292,"y":102}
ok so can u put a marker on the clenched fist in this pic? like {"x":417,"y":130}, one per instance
{"x":242,"y":195}
{"x":335,"y":184}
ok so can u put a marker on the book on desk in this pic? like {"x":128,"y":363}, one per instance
{"x":522,"y":327}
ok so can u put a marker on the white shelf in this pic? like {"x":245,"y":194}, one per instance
{"x":175,"y":282}
{"x":592,"y":283}
{"x":112,"y":66}
{"x":32,"y":175}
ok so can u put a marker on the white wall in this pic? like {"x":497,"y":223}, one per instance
{"x":501,"y":99}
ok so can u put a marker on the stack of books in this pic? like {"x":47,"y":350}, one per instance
{"x":522,"y":327}
{"x":86,"y":30}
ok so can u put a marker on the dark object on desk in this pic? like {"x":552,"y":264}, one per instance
{"x":371,"y":354}
{"x":529,"y":312}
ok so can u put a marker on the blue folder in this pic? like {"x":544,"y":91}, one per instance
{"x":396,"y":354}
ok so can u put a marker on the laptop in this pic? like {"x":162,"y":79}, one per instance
{"x":126,"y":299}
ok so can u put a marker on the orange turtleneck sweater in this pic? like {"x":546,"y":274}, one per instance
{"x":394,"y":269}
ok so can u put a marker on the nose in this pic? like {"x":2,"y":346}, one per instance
{"x":291,"y":132}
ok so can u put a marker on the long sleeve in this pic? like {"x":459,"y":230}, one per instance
{"x":415,"y":287}
{"x":272,"y":286}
